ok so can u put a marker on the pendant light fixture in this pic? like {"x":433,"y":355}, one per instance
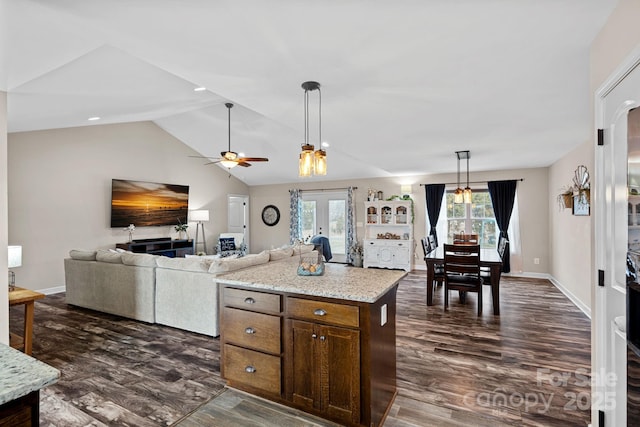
{"x":460,"y":195}
{"x":312,"y":162}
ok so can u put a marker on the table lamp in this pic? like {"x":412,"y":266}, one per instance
{"x":200,"y":216}
{"x":14,"y":260}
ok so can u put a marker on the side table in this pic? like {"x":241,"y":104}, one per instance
{"x":27,"y":298}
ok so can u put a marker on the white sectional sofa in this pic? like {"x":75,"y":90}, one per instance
{"x":177,"y":292}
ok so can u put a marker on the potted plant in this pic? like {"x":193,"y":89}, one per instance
{"x":565,"y":198}
{"x":182,"y":230}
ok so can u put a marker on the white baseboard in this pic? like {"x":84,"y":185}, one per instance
{"x":51,"y":291}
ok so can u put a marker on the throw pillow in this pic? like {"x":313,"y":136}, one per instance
{"x":139,"y":260}
{"x":227,"y":244}
{"x":106,"y":255}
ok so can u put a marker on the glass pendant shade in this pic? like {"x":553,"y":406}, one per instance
{"x":320,"y":162}
{"x":467,"y":195}
{"x":458,"y":196}
{"x":306,"y":160}
{"x":228,"y":164}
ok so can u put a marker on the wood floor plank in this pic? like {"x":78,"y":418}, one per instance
{"x":454,"y":368}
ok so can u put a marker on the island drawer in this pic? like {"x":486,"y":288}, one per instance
{"x":337,"y":314}
{"x":252,"y":368}
{"x":251,"y":300}
{"x":255,"y":330}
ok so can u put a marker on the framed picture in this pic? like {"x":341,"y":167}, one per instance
{"x":581,"y":205}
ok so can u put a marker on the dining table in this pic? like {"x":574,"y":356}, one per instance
{"x":488,"y":258}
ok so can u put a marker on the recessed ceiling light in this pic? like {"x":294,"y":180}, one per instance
{"x":199,"y":89}
{"x":93,"y":119}
{"x":325,"y":144}
{"x":240,"y":154}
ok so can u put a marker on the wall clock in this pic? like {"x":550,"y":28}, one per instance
{"x":270,"y":215}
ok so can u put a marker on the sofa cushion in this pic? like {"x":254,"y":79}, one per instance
{"x":188,"y":264}
{"x":106,"y":255}
{"x":141,"y":260}
{"x":276,"y":254}
{"x":224,"y":265}
{"x":82,"y":255}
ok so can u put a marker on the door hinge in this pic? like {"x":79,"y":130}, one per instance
{"x":600,"y":277}
{"x":600,"y":136}
{"x":600,"y":418}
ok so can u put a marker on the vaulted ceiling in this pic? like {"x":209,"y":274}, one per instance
{"x":404,"y":83}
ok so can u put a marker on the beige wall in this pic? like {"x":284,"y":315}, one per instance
{"x":570,"y":235}
{"x":60,"y":190}
{"x":532,"y":193}
{"x":4,"y":296}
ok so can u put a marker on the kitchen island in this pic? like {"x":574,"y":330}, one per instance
{"x":21,"y":378}
{"x":323,"y":344}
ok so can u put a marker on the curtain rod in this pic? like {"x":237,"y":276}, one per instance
{"x":328,"y":189}
{"x":472,"y":182}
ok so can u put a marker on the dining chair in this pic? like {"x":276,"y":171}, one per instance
{"x":462,"y":271}
{"x":465,"y":239}
{"x":438,"y":270}
{"x":485,"y":272}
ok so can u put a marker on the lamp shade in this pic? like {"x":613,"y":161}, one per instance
{"x":15,"y":256}
{"x":200,"y":215}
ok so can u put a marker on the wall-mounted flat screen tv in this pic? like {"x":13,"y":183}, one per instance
{"x":145,"y":204}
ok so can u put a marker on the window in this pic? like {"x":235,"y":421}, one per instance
{"x":475,"y":218}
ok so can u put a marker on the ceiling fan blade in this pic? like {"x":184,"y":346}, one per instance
{"x":253,"y":159}
{"x":213,"y":162}
{"x":244,"y":164}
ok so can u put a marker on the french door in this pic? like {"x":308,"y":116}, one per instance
{"x":325,"y":213}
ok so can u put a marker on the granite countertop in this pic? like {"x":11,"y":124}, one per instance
{"x":21,"y":374}
{"x":338,"y":281}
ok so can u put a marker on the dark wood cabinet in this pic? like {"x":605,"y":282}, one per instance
{"x":325,"y":369}
{"x":159,"y":246}
{"x":332,"y":358}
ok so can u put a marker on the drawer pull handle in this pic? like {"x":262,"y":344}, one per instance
{"x":249,"y":330}
{"x":322,"y":338}
{"x":250,"y":369}
{"x":249,"y":300}
{"x":314,"y":336}
{"x":320,"y":312}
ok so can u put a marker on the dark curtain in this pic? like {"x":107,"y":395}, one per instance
{"x":433,"y":197}
{"x":503,"y":195}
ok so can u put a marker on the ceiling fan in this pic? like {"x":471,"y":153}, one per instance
{"x":230,"y":159}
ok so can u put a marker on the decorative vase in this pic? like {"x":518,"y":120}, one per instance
{"x":357,"y":260}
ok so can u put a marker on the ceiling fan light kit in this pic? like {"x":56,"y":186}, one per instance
{"x":312,"y":162}
{"x":230,"y":159}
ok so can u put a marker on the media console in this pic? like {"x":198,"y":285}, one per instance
{"x":159,"y":246}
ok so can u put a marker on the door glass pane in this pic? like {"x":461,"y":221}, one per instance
{"x":337,"y":220}
{"x":308,"y":219}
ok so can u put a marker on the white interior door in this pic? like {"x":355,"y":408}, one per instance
{"x":326,"y":213}
{"x":612,"y":243}
{"x":238,"y":216}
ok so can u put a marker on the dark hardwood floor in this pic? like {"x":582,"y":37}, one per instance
{"x":528,"y":367}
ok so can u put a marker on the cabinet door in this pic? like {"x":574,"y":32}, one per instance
{"x":340,"y":372}
{"x":370,"y":253}
{"x":305,"y":377}
{"x":402,"y":255}
{"x":386,"y":255}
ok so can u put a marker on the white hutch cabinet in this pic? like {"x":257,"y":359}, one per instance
{"x":388,"y":240}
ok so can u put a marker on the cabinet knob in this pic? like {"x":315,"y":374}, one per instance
{"x":249,"y":330}
{"x":320,"y":312}
{"x":322,"y":338}
{"x":249,"y":300}
{"x":314,"y":336}
{"x":250,"y":369}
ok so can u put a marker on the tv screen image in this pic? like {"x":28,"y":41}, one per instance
{"x":146,"y":204}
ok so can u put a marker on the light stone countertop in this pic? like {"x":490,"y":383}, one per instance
{"x":338,"y":281}
{"x":21,"y":374}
